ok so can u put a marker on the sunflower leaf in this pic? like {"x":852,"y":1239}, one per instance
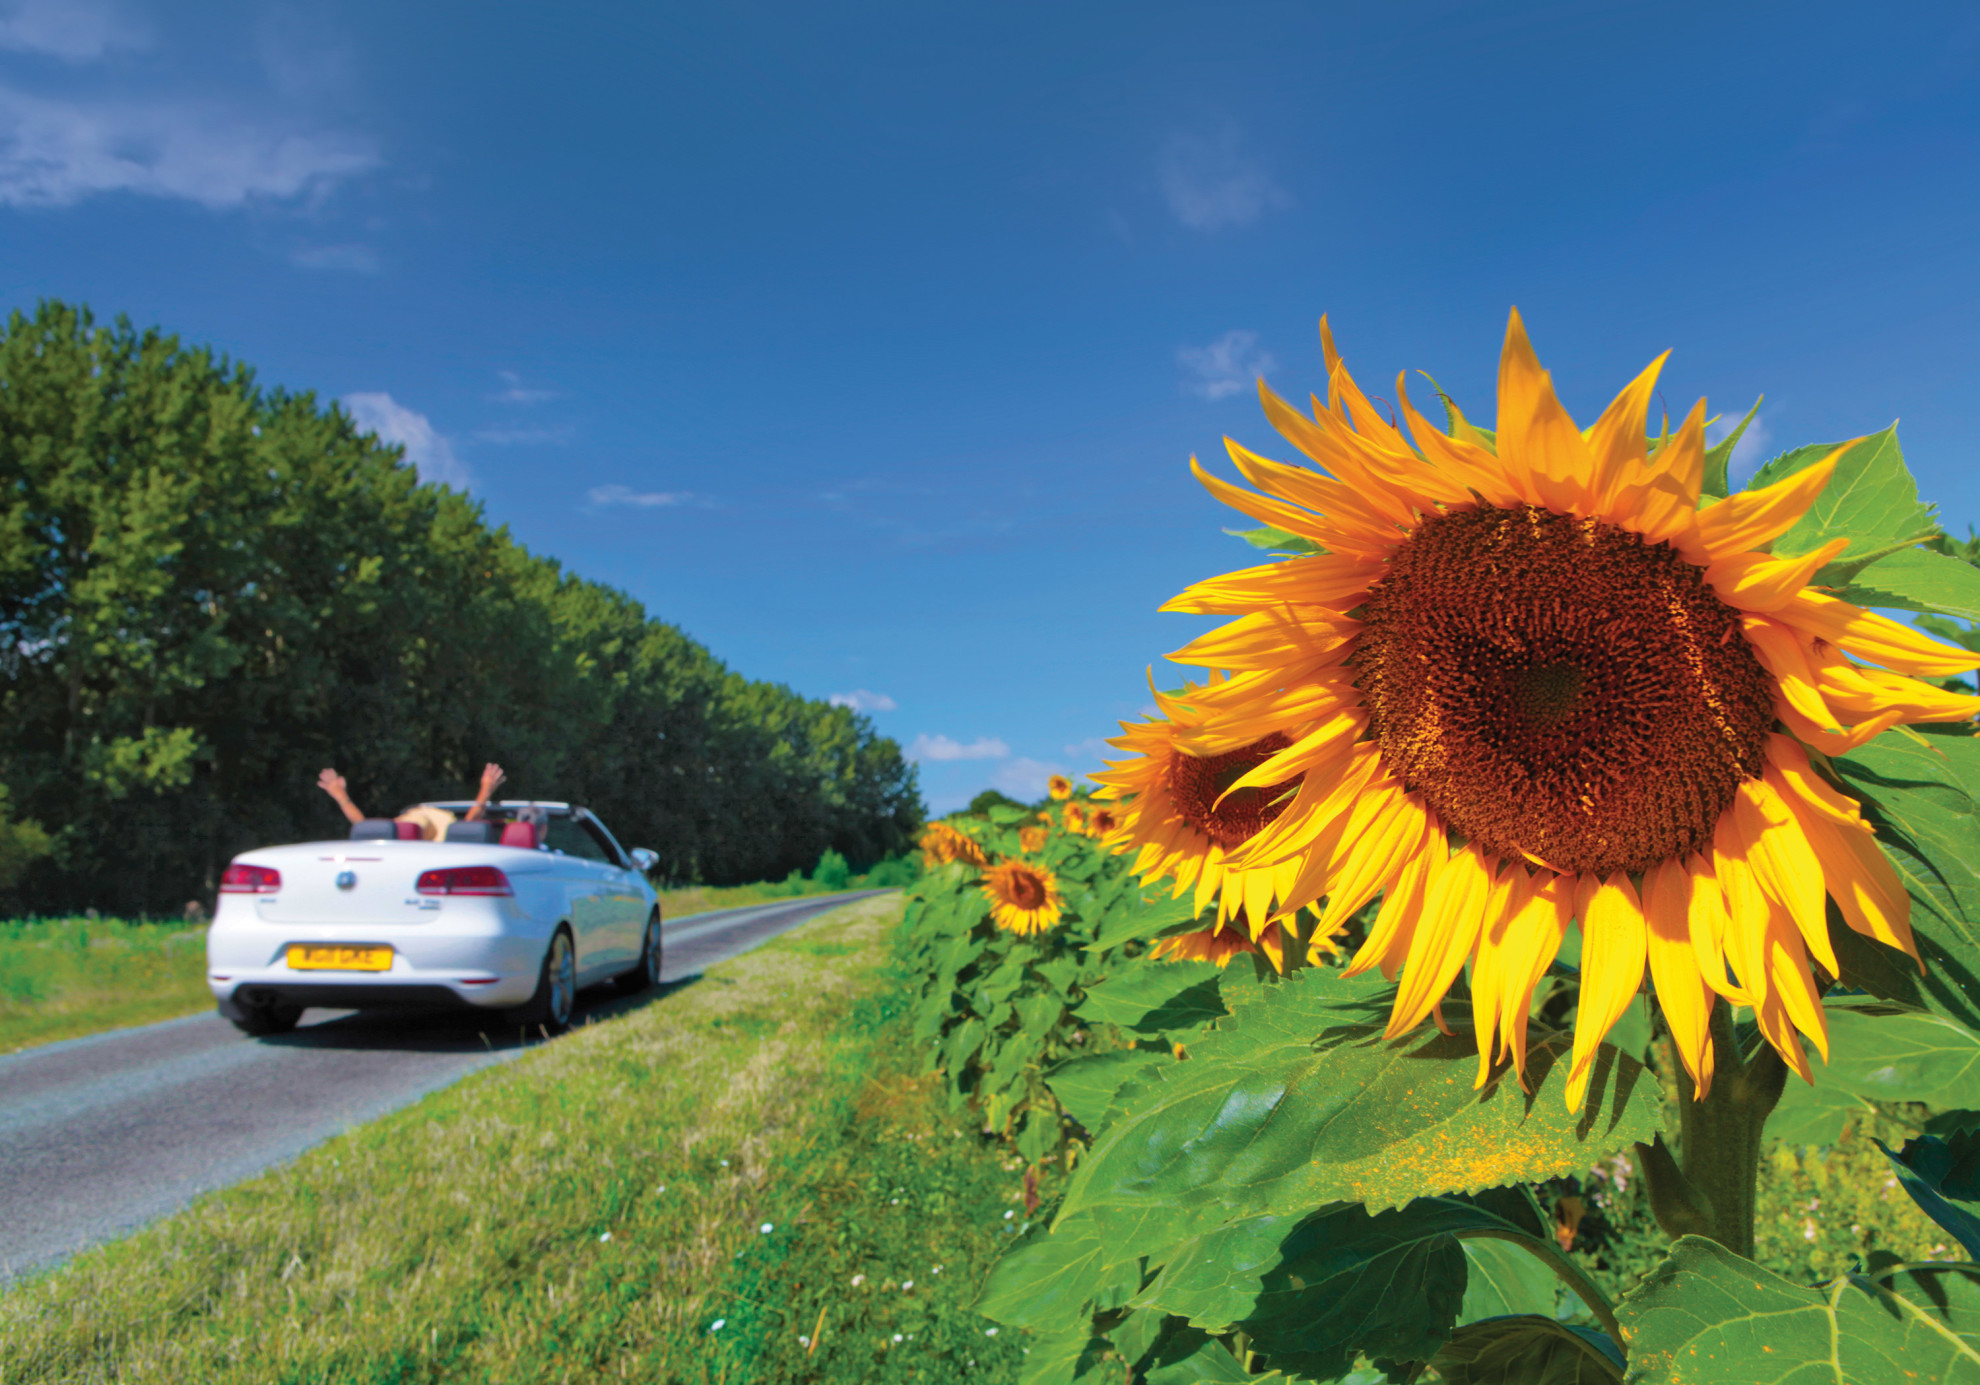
{"x":1529,"y":1349}
{"x":1312,"y":1291}
{"x":1155,"y":997}
{"x":1704,"y":1304}
{"x":1057,"y":1280}
{"x":1925,"y":802}
{"x":1718,"y":457}
{"x":1086,"y":1086}
{"x":1296,"y":1101}
{"x":1276,"y":540}
{"x":1918,"y":579}
{"x":1871,"y":500}
{"x":1943,"y":1178}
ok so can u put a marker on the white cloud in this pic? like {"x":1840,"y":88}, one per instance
{"x":426,"y":448}
{"x":860,"y":700}
{"x":1024,"y":779}
{"x":524,"y":437}
{"x":1227,"y":366}
{"x":1210,"y":182}
{"x":942,"y":748}
{"x":626,"y":495}
{"x":515,"y":392}
{"x":54,"y":153}
{"x":77,"y":30}
{"x":353,"y":259}
{"x":1749,"y":451}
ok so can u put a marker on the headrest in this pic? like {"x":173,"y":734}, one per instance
{"x":374,"y":830}
{"x":520,"y":834}
{"x":408,"y":831}
{"x":481,"y":830}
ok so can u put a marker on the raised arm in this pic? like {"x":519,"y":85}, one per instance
{"x":332,"y":783}
{"x":491,"y":780}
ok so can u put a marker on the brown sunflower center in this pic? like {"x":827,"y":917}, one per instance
{"x":1558,"y":687}
{"x":1196,"y":782}
{"x":1026,"y":890}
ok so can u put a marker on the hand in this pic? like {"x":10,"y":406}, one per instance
{"x":332,"y":783}
{"x":492,"y":777}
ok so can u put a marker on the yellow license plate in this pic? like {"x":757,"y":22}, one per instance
{"x":310,"y":958}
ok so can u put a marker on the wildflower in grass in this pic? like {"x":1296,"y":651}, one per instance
{"x":941,"y":844}
{"x":1527,"y":682}
{"x":1024,"y":898}
{"x":1031,"y":840}
{"x":1059,"y":786}
{"x":1175,"y":809}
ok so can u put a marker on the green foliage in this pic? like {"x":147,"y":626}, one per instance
{"x":1706,"y":1314}
{"x":1943,"y":1177}
{"x":210,"y":590}
{"x":993,"y":798}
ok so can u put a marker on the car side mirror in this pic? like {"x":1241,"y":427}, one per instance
{"x":644,"y":860}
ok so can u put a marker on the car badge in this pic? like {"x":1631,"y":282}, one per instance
{"x":346,"y":879}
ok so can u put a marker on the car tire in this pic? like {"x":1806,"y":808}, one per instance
{"x":555,"y":1001}
{"x":263,"y":1020}
{"x":646,"y":975}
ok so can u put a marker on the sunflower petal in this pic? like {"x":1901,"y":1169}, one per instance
{"x":1681,"y":990}
{"x":1535,"y":432}
{"x":1757,"y":582}
{"x":1876,"y":638}
{"x":1614,"y":949}
{"x":1452,"y":915}
{"x":1754,"y":519}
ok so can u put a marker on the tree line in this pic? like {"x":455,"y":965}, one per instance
{"x":209,"y":590}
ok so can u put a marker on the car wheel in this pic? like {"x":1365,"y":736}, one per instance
{"x":551,"y":1008}
{"x":646,"y":975}
{"x":270,"y":1017}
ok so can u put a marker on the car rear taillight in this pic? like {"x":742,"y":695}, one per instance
{"x":241,"y":879}
{"x":463,"y":880}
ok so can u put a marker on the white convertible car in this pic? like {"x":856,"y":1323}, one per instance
{"x":489,"y":919}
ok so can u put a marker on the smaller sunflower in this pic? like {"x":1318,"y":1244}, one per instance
{"x":1024,"y":898}
{"x":1221,"y":943}
{"x":1101,"y":820}
{"x":941,"y":844}
{"x":1075,"y":817}
{"x":1031,"y":840}
{"x":1060,"y":786}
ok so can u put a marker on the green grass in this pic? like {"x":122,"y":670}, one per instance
{"x":587,"y":1212}
{"x":61,"y":978}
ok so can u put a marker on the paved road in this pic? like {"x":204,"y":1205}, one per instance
{"x":99,"y":1136}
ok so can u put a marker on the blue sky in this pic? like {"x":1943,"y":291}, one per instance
{"x":869,"y":343}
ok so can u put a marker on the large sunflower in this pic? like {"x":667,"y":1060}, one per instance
{"x":1023,"y":898}
{"x":1174,"y":812}
{"x":1529,"y":683}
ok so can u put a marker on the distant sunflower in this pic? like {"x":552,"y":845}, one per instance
{"x":1024,"y":898}
{"x":941,"y":844}
{"x":1101,"y":820}
{"x":1219,"y":943}
{"x":1031,"y":840}
{"x":1075,"y":817}
{"x":1565,"y":694}
{"x":1060,"y":786}
{"x":1178,"y":811}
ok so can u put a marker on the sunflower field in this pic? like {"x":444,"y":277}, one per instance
{"x":1548,"y":811}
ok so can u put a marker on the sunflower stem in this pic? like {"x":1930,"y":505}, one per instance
{"x":1719,"y":1139}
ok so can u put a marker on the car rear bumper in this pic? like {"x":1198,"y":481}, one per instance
{"x":432,"y":967}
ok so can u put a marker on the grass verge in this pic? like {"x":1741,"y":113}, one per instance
{"x":62,"y":978}
{"x":588,"y":1212}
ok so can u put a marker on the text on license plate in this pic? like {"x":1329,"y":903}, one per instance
{"x":308,"y":957}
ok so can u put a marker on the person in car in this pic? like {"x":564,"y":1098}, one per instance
{"x":432,"y":822}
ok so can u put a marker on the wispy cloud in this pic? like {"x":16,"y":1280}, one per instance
{"x":860,"y":700}
{"x":1092,"y":751}
{"x":525,"y":437}
{"x":74,"y":30}
{"x":515,"y":392}
{"x":646,"y":500}
{"x":1751,"y":449}
{"x":927,"y":747}
{"x":350,"y":259}
{"x":1229,"y":365}
{"x":55,"y":153}
{"x":1211,"y":182}
{"x":1023,"y":778}
{"x":428,"y":451}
